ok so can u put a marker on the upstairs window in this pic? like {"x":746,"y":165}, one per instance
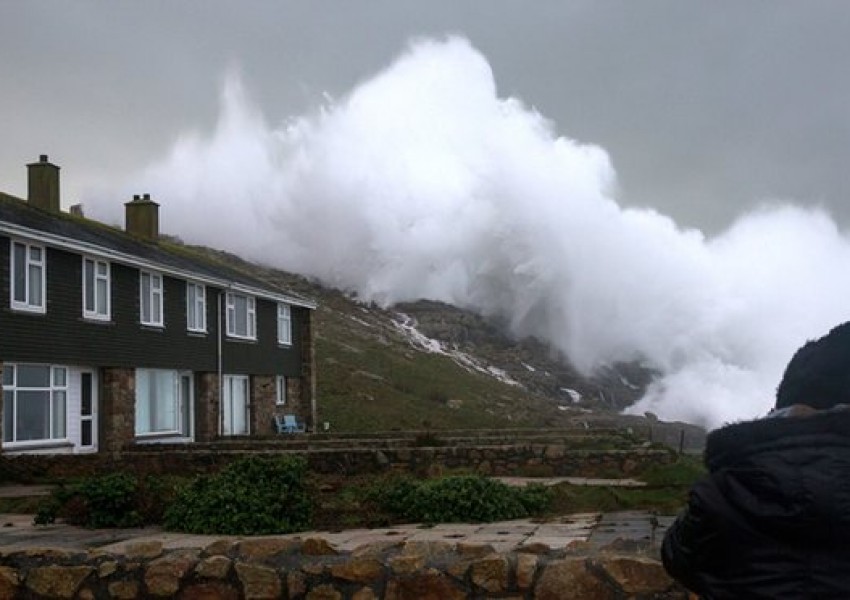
{"x":284,"y":324}
{"x":28,"y":277}
{"x":34,"y":403}
{"x":196,"y":307}
{"x":150,"y":299}
{"x":241,"y":316}
{"x":96,"y":289}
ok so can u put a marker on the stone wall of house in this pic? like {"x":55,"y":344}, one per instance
{"x":263,"y":400}
{"x":117,"y":409}
{"x":206,"y":407}
{"x":307,"y":392}
{"x":313,"y":569}
{"x":1,"y":407}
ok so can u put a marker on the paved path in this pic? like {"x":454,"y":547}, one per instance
{"x":637,"y":530}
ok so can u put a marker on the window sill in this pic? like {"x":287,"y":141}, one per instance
{"x":152,"y":327}
{"x":36,"y":445}
{"x":244,"y":340}
{"x":98,"y":320}
{"x":27,"y":310}
{"x":162,"y":438}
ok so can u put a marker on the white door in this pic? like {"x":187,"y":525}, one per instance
{"x":234,"y":410}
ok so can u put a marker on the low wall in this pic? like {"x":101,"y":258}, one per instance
{"x":533,"y":459}
{"x":313,"y":570}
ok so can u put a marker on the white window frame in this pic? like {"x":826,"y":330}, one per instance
{"x":250,"y":316}
{"x":27,"y":304}
{"x":154,"y":298}
{"x":53,"y":390}
{"x":181,"y":406}
{"x":280,"y":390}
{"x":284,"y":324}
{"x":98,"y":313}
{"x":196,"y":303}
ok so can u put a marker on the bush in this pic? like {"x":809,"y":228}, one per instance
{"x":468,"y":498}
{"x":253,"y":495}
{"x":105,"y":501}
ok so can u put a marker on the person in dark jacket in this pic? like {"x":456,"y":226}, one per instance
{"x":772,"y":517}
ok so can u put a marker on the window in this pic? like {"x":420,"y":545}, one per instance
{"x":196,"y":307}
{"x":163,"y":402}
{"x":280,"y":386}
{"x":150,"y":298}
{"x":95,"y":289}
{"x":34,"y":403}
{"x":241,"y":316}
{"x":284,"y":324}
{"x":28,"y":277}
{"x":235,"y":411}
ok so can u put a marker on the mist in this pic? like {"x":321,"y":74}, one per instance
{"x":422,"y":182}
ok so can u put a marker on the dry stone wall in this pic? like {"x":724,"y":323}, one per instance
{"x":514,"y":459}
{"x":312,"y":569}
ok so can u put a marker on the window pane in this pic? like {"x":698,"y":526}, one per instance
{"x":35,"y":253}
{"x":85,"y":433}
{"x":35,"y":285}
{"x":8,"y":375}
{"x":102,"y":269}
{"x":59,"y":377}
{"x":156,"y":401}
{"x":89,"y":285}
{"x":20,"y":275}
{"x":32,"y":422}
{"x":85,"y":395}
{"x":157,"y":309}
{"x":58,"y":427}
{"x":101,"y":297}
{"x":8,"y":416}
{"x":146,"y":298}
{"x":33,"y":376}
{"x":241,"y":316}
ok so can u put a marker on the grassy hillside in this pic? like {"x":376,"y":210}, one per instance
{"x":446,"y":368}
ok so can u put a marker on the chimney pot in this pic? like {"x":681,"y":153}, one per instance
{"x":42,"y":158}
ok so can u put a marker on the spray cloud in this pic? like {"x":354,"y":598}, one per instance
{"x":423,"y":183}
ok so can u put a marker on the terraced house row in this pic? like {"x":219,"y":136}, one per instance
{"x":111,"y":337}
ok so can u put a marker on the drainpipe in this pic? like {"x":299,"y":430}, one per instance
{"x":220,"y":371}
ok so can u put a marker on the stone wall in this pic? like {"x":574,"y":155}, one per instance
{"x":307,"y":392}
{"x":1,"y":407}
{"x":263,"y":399}
{"x":313,"y":569}
{"x":555,"y":459}
{"x":206,"y":407}
{"x":117,"y":410}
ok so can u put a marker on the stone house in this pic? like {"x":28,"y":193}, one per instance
{"x":110,"y":338}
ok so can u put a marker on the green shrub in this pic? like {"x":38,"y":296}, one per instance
{"x":253,"y":495}
{"x":105,"y":501}
{"x":468,"y":498}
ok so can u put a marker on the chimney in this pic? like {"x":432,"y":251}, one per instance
{"x":43,"y":188}
{"x":142,"y":218}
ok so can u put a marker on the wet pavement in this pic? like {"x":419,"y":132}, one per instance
{"x":636,"y":530}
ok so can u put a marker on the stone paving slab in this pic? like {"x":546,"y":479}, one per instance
{"x":637,"y":528}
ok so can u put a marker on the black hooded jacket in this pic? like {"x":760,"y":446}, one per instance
{"x":772,"y":518}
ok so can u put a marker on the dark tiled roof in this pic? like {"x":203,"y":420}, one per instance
{"x":17,"y":212}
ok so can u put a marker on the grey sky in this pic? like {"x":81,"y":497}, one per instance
{"x":706,"y":108}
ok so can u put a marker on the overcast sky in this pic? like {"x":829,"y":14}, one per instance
{"x":706,"y":108}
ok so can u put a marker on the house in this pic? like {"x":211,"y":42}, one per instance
{"x":110,"y":338}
